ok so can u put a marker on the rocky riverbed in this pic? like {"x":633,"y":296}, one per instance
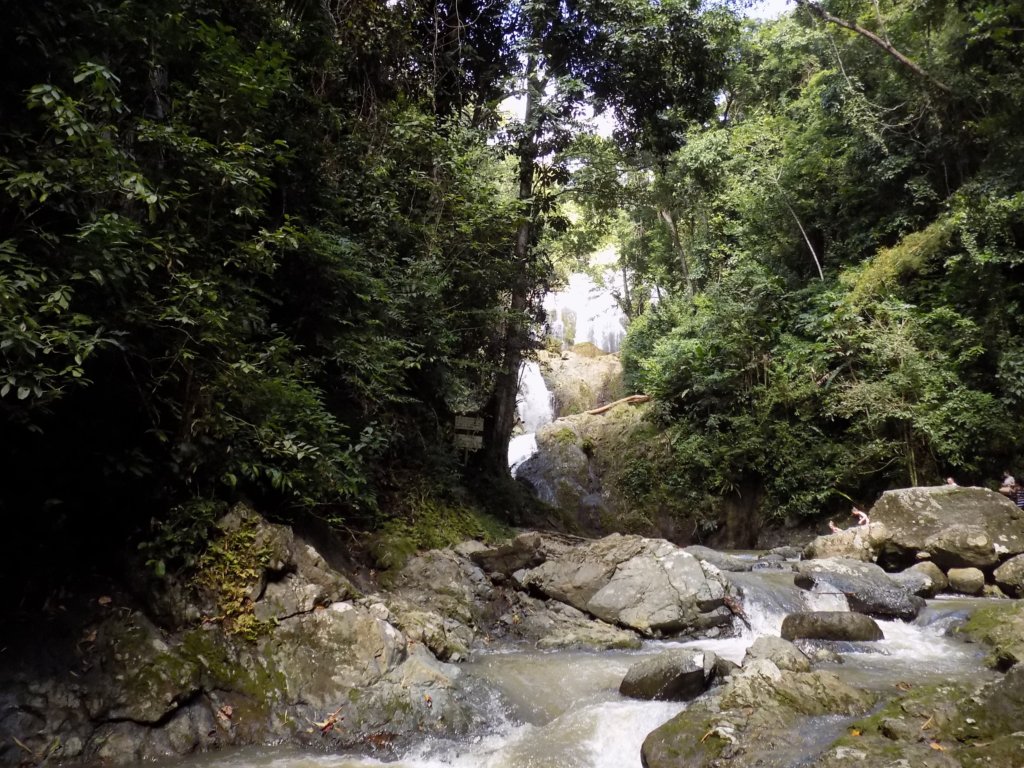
{"x":283,"y":649}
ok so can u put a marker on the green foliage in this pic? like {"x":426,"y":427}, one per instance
{"x":176,"y":542}
{"x":896,"y":364}
{"x":231,"y":564}
{"x":426,"y":518}
{"x":243,"y":252}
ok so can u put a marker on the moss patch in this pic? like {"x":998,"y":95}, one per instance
{"x":231,"y":569}
{"x":1001,"y":628}
{"x":425,"y":520}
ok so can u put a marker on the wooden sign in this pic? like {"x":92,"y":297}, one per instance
{"x":469,"y":442}
{"x":469,"y":424}
{"x":469,"y":433}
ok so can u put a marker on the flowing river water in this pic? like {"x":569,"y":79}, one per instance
{"x":562,"y":709}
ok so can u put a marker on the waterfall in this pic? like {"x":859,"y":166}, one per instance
{"x":533,"y":404}
{"x":598,"y":317}
{"x":533,"y":401}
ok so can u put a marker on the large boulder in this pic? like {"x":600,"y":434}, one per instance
{"x":830,"y":625}
{"x":860,"y":542}
{"x":755,"y":722}
{"x":552,"y":625}
{"x":676,"y":675}
{"x":602,"y":473}
{"x":1010,"y":576}
{"x":648,"y":585}
{"x":868,"y":589}
{"x":955,"y":527}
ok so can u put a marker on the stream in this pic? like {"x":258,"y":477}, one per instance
{"x":562,"y":709}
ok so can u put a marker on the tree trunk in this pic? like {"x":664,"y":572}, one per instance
{"x":670,"y":221}
{"x":517,"y":336}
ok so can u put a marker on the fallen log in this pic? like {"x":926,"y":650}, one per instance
{"x":631,"y":400}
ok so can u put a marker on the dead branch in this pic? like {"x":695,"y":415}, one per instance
{"x":631,"y":400}
{"x":885,"y":45}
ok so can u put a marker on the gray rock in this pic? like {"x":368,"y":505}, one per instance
{"x":924,"y":579}
{"x":966,"y":581}
{"x":786,"y":552}
{"x":137,"y":676}
{"x":967,"y":545}
{"x":675,"y":675}
{"x":290,"y":596}
{"x":762,"y":684}
{"x":830,"y":625}
{"x":957,"y":527}
{"x":781,"y":652}
{"x":720,"y":560}
{"x":524,"y":551}
{"x":648,"y":585}
{"x":552,"y":625}
{"x":323,"y":655}
{"x":868,"y":589}
{"x":1010,"y":576}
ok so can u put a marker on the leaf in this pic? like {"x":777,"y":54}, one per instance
{"x":936,"y":746}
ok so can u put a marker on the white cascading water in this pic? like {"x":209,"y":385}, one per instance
{"x":599,"y":319}
{"x":533,"y":404}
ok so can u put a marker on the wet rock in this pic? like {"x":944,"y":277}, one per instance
{"x":648,"y":585}
{"x":762,"y":684}
{"x":598,"y":472}
{"x":447,"y":638}
{"x":675,"y":675}
{"x":1010,"y":576}
{"x":723,"y":668}
{"x":551,"y":625}
{"x":868,"y":589}
{"x":830,"y":625}
{"x":756,"y":720}
{"x":957,"y":527}
{"x":780,"y":652}
{"x":860,"y":542}
{"x":720,"y":560}
{"x":446,"y":583}
{"x":785,"y":552}
{"x":290,"y":596}
{"x":1000,"y":627}
{"x":966,"y":581}
{"x":421,"y":696}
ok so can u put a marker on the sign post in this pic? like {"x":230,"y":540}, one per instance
{"x":469,"y":435}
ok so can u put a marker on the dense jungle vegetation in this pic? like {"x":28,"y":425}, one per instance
{"x":268,"y":250}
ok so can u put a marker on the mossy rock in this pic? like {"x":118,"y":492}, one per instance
{"x":689,"y":739}
{"x":1000,"y":627}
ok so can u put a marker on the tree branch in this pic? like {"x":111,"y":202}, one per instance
{"x":885,"y":45}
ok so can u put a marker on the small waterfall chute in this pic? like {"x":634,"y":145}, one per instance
{"x":533,"y":405}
